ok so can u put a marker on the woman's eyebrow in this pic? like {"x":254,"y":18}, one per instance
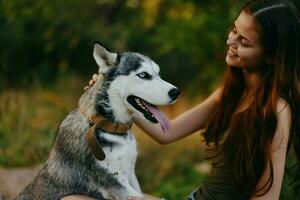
{"x":234,"y":26}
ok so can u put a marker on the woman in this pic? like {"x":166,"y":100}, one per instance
{"x":252,"y":119}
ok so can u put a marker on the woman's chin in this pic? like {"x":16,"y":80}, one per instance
{"x":231,"y":61}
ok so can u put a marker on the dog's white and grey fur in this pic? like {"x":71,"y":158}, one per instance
{"x":71,"y":167}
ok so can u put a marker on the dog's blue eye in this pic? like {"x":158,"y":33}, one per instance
{"x":144,"y":75}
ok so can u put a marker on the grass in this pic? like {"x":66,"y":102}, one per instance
{"x":29,"y":120}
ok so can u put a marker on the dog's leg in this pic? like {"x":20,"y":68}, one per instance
{"x":132,"y":191}
{"x":123,"y":191}
{"x":134,"y":181}
{"x":128,"y":191}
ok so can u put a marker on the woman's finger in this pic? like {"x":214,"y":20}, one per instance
{"x":136,"y":198}
{"x":91,"y":82}
{"x":95,"y":77}
{"x":86,"y":88}
{"x":77,"y":197}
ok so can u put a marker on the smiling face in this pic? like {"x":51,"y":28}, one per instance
{"x":244,"y":46}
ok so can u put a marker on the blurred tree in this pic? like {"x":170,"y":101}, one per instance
{"x":41,"y":39}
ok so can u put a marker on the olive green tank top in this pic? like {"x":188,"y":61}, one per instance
{"x":219,"y":185}
{"x":220,"y":182}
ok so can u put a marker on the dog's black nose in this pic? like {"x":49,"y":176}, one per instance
{"x":174,"y":93}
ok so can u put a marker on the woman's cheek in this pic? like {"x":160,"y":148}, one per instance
{"x":251,"y":57}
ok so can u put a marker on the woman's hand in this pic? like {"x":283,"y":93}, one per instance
{"x":91,"y":82}
{"x":77,"y":197}
{"x":146,"y":197}
{"x":81,"y":197}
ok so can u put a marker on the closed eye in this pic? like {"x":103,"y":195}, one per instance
{"x":144,"y":75}
{"x":245,"y":43}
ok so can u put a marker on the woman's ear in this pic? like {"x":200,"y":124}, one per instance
{"x":103,"y":57}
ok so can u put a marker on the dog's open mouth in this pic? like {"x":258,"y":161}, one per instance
{"x":150,"y":111}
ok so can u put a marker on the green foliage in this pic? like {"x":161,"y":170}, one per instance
{"x":291,"y":179}
{"x":41,"y":39}
{"x":180,"y":182}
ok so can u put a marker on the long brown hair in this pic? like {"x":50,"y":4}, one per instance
{"x":246,"y":147}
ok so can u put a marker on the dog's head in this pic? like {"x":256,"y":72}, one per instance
{"x":131,"y":87}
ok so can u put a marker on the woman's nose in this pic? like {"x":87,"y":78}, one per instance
{"x":232,"y":42}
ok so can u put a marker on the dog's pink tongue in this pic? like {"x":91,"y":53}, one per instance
{"x":160,"y":117}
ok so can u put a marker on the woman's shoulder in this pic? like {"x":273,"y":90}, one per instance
{"x":284,"y":119}
{"x":283,"y":108}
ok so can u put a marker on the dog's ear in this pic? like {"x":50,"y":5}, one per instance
{"x":103,"y":57}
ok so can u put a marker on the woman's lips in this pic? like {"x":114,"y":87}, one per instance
{"x":230,"y":53}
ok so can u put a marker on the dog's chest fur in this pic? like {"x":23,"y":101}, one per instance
{"x":121,"y":153}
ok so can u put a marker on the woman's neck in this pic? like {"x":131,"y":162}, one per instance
{"x":252,"y":81}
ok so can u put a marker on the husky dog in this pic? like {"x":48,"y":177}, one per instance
{"x":130,"y":87}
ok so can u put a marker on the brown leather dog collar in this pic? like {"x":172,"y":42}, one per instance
{"x":114,"y":128}
{"x":105,"y":125}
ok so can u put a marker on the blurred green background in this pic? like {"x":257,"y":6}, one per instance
{"x":46,"y":59}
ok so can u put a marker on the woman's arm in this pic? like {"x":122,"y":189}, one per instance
{"x":278,"y":152}
{"x":183,"y":125}
{"x":77,"y":197}
{"x":81,"y":197}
